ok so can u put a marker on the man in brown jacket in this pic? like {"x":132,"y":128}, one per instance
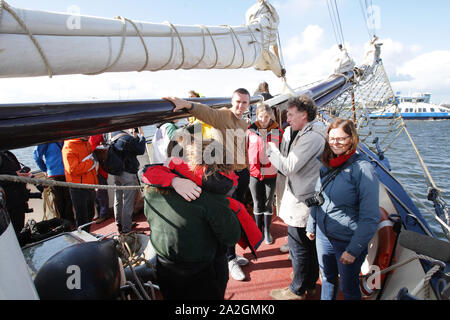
{"x":229,"y":128}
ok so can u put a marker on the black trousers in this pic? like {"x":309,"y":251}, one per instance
{"x":239,"y":193}
{"x":192,"y":281}
{"x":84,"y":204}
{"x":262,"y":194}
{"x":304,"y":260}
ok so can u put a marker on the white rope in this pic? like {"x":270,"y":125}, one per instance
{"x":423,"y":283}
{"x":52,"y":183}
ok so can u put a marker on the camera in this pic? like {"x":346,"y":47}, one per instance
{"x":25,"y":169}
{"x":315,"y":201}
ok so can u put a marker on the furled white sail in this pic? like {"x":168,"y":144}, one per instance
{"x":37,"y":43}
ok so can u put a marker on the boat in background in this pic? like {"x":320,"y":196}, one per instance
{"x":415,"y":107}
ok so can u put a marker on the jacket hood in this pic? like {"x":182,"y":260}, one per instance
{"x":319,"y":127}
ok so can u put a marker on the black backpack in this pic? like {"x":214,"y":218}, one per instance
{"x":111,"y":159}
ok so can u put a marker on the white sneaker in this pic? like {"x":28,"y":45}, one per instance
{"x":284,"y":248}
{"x":241,"y":260}
{"x":235,"y":270}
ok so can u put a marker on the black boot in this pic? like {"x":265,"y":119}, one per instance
{"x":259,"y":221}
{"x":267,"y":236}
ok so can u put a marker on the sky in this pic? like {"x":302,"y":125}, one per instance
{"x":415,"y":51}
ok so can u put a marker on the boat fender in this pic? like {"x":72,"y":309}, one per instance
{"x":383,"y":244}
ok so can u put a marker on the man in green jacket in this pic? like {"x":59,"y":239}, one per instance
{"x":190,"y":240}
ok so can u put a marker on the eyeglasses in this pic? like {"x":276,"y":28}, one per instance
{"x":338,"y":139}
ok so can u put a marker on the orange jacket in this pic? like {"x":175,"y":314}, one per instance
{"x":76,"y":170}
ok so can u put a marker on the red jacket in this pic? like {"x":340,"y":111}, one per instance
{"x":162,"y":176}
{"x":95,"y":141}
{"x":76,"y":170}
{"x":259,"y":164}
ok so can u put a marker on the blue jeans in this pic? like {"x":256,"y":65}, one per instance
{"x":304,"y":261}
{"x":329,"y":252}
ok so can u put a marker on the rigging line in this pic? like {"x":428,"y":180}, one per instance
{"x":332,"y":21}
{"x":339,"y":24}
{"x":364,"y":13}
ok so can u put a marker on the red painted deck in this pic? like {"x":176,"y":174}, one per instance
{"x":270,"y":271}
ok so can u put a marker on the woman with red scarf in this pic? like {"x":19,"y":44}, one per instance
{"x":348,"y":218}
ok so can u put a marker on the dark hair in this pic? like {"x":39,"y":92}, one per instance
{"x":304,"y":103}
{"x":263,"y":87}
{"x":194,"y":94}
{"x":349,"y":128}
{"x":242,"y":91}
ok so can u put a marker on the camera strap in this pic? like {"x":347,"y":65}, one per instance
{"x":331,"y":174}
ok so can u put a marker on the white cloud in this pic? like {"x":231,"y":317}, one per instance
{"x":427,"y":72}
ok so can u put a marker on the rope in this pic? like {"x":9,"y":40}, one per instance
{"x":181,"y":44}
{"x":143,"y":43}
{"x":122,"y":46}
{"x":425,"y":282}
{"x":125,"y":254}
{"x":49,"y":202}
{"x":234,"y":46}
{"x":215,"y":47}
{"x":240,"y":46}
{"x":204,"y":47}
{"x":5,"y":6}
{"x":52,"y":183}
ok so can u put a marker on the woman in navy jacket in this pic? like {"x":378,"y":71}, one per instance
{"x":348,"y":218}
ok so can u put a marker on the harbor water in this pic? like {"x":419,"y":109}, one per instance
{"x":430,"y":138}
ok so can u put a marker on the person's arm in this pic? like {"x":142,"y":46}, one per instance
{"x":305,"y":149}
{"x":162,"y":176}
{"x":218,"y":118}
{"x":38,"y":154}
